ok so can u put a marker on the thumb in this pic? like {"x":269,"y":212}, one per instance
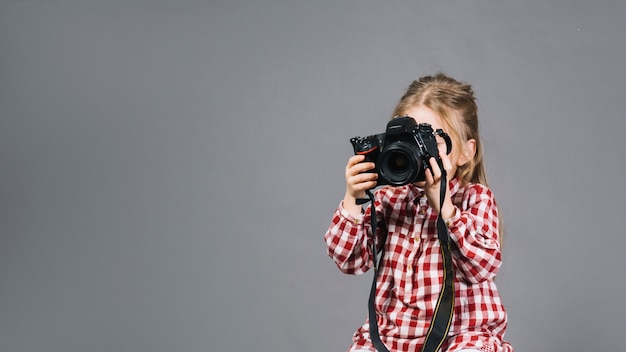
{"x":447,"y":164}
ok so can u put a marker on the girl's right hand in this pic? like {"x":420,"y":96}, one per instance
{"x":358,"y":180}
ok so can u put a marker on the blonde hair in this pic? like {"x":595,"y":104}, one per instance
{"x":455,"y":103}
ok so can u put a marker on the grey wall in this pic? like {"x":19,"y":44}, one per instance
{"x":168,"y":168}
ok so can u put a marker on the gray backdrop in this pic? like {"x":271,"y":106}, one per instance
{"x":168,"y":168}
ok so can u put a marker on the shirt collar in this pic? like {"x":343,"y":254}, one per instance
{"x":415,"y":192}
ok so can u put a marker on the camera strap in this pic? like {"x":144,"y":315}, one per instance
{"x":442,"y":319}
{"x":444,"y":309}
{"x":373,"y":320}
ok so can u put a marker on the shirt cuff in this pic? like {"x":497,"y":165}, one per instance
{"x":346,"y":215}
{"x":450,"y":221}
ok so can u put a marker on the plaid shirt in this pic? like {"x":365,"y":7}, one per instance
{"x":411,"y":273}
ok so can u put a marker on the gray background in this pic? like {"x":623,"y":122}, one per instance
{"x":168,"y":168}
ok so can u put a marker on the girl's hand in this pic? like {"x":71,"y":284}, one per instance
{"x":433,"y":185}
{"x":358,"y":180}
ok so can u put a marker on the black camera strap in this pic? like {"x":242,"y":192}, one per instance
{"x":373,"y":320}
{"x":442,"y":318}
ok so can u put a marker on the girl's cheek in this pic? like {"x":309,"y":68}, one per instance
{"x":442,"y":148}
{"x":441,"y":145}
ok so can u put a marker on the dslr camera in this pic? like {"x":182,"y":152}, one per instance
{"x":401,"y":153}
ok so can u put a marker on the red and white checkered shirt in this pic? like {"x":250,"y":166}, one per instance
{"x":411,"y":274}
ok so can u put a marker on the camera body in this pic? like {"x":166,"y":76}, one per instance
{"x":401,"y":153}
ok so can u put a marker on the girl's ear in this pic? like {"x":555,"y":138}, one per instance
{"x":467,"y":153}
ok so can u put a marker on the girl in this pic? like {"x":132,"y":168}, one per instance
{"x":411,"y":270}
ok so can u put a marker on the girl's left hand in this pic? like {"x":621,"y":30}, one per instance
{"x":433,"y":185}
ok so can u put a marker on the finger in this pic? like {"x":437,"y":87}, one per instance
{"x":435,"y":169}
{"x":355,"y":159}
{"x":362,"y":182}
{"x":358,"y":168}
{"x":352,"y":161}
{"x":363,"y":167}
{"x":363,"y":178}
{"x":430,"y":179}
{"x":447,"y":165}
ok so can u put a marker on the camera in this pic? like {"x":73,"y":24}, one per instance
{"x":401,"y":153}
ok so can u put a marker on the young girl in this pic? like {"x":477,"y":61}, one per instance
{"x":411,"y":270}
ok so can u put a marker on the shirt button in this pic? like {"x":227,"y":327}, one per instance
{"x":409,"y":268}
{"x":416,"y":239}
{"x":421,"y":211}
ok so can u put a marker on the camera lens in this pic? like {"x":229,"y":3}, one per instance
{"x":399,"y":164}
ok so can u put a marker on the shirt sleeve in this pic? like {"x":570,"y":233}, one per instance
{"x":348,"y":243}
{"x":475,"y":231}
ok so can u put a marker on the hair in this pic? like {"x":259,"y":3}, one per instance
{"x":455,"y":103}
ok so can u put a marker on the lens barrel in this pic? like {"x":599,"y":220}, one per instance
{"x":399,"y":163}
